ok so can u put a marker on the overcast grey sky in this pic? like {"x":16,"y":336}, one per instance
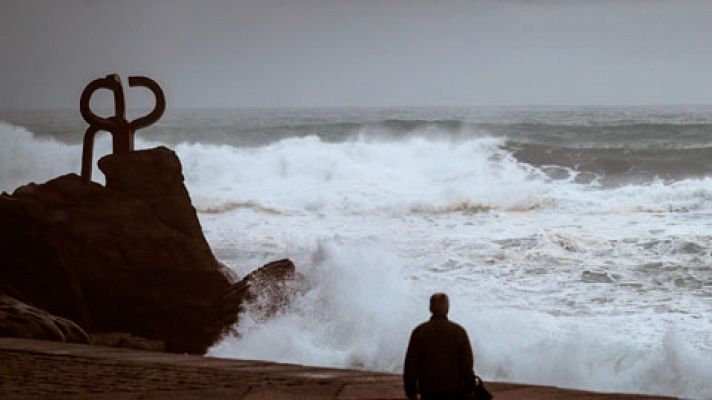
{"x":360,"y":53}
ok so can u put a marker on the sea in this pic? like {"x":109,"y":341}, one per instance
{"x":575,"y":243}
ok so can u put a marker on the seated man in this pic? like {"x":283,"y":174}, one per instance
{"x":439,"y":362}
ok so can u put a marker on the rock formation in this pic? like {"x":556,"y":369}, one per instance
{"x":127,"y":257}
{"x":18,"y":319}
{"x":268,"y":288}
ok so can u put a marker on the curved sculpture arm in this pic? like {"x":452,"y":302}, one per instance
{"x":158,"y":109}
{"x":112,"y":83}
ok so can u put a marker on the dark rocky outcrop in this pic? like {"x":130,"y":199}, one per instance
{"x":268,"y":288}
{"x":18,"y":319}
{"x":129,"y":257}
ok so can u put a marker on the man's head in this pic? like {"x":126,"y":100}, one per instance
{"x":439,"y":304}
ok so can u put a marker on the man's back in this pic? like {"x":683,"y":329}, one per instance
{"x":439,"y":360}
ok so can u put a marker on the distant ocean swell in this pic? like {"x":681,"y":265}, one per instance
{"x":608,"y":134}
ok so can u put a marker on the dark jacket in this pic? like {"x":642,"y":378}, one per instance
{"x":439,"y":362}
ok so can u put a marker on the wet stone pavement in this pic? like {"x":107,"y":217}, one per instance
{"x":32,"y":369}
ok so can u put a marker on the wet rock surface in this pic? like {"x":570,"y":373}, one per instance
{"x":268,"y":288}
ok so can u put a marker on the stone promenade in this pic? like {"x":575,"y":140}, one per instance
{"x":31,"y":369}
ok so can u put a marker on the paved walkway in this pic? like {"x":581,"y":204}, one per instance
{"x":50,"y":370}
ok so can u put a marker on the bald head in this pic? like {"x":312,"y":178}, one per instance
{"x":439,"y":304}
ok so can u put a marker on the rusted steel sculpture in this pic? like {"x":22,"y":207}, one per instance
{"x":122,"y":131}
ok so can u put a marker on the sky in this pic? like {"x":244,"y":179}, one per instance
{"x":300,"y":53}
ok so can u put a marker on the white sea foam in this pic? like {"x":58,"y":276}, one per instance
{"x":25,"y":158}
{"x":557,"y":282}
{"x":357,"y":305}
{"x":303,"y":175}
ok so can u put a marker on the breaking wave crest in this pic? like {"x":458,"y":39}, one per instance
{"x":24,"y":158}
{"x":413,"y":175}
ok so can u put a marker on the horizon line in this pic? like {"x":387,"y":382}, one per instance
{"x":312,"y":107}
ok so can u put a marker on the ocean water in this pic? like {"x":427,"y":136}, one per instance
{"x":575,"y":243}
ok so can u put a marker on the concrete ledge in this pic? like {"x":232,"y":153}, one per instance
{"x":51,"y":370}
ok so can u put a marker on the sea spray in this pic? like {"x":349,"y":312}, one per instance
{"x":354,"y":307}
